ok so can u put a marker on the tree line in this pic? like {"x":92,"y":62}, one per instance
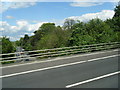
{"x":72,"y":33}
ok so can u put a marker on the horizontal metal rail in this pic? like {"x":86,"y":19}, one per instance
{"x":44,"y":53}
{"x":63,"y":48}
{"x":59,"y":51}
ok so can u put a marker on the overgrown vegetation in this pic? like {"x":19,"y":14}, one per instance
{"x":70,"y":34}
{"x":7,"y":45}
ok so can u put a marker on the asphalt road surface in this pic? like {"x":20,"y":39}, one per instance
{"x":91,"y":70}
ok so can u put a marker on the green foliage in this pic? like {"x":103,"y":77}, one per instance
{"x":116,"y":19}
{"x":0,"y":45}
{"x":47,"y":28}
{"x":117,"y":11}
{"x":8,"y":62}
{"x":50,"y":36}
{"x":7,"y":46}
{"x":72,"y":33}
{"x":94,"y":31}
{"x":54,"y":39}
{"x":68,"y":24}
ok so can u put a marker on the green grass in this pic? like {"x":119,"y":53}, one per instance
{"x":7,"y":62}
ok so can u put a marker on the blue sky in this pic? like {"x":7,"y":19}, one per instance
{"x":18,"y":20}
{"x":47,"y":11}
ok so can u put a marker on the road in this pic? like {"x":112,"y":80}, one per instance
{"x":91,"y":70}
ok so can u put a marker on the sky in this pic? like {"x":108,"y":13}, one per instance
{"x":20,"y":18}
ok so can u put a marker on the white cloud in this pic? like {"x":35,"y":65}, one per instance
{"x":4,"y":6}
{"x":58,"y":22}
{"x":26,"y":26}
{"x":13,"y":38}
{"x":6,"y":27}
{"x":57,"y":0}
{"x":30,"y":34}
{"x":9,"y":17}
{"x":119,"y":3}
{"x":21,"y":35}
{"x":103,"y":15}
{"x":21,"y":0}
{"x":2,"y":29}
{"x":22,"y":4}
{"x":85,"y":4}
{"x":22,"y":27}
{"x":88,"y":3}
{"x":15,"y":4}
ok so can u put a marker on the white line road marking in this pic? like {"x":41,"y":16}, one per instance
{"x":56,"y":59}
{"x":47,"y":68}
{"x":90,"y":80}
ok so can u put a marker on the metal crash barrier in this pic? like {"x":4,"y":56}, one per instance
{"x":22,"y":55}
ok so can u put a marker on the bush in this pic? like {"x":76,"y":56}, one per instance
{"x":8,"y":62}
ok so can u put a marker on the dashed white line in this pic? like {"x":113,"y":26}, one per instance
{"x":53,"y":67}
{"x":56,"y":59}
{"x":93,"y":79}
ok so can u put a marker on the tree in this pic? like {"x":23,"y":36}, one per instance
{"x":114,"y":23}
{"x":25,"y":40}
{"x":99,"y":29}
{"x":0,"y":45}
{"x":47,"y":27}
{"x":77,"y":31}
{"x":47,"y":42}
{"x":62,"y":36}
{"x":53,"y":39}
{"x":73,"y":33}
{"x":68,"y":24}
{"x":7,"y":46}
{"x":117,"y":10}
{"x":116,"y":18}
{"x":94,"y":31}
